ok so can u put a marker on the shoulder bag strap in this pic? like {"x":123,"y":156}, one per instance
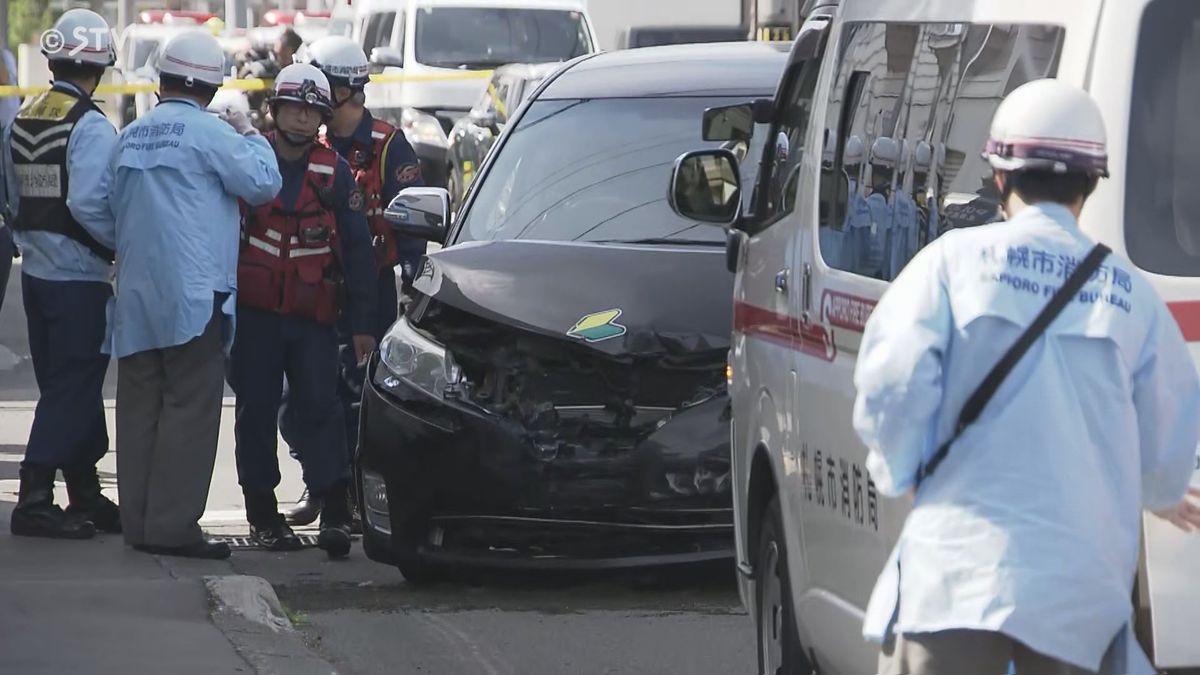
{"x":979,"y":399}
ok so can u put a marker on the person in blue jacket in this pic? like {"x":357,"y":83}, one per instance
{"x":1023,"y":546}
{"x":305,"y":261}
{"x":174,"y":181}
{"x":59,"y":146}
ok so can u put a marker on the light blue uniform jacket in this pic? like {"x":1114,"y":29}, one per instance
{"x":174,"y":181}
{"x":54,"y":257}
{"x":1031,"y":524}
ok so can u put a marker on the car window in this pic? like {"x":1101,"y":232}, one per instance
{"x":908,"y":117}
{"x":550,"y":180}
{"x":484,"y":37}
{"x":1162,"y":204}
{"x":378,"y":32}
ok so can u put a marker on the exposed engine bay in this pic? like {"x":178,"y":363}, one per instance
{"x":570,"y":401}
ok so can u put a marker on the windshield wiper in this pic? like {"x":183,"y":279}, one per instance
{"x":663,"y":240}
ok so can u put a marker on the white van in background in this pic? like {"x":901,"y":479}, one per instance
{"x":899,"y":95}
{"x":440,"y":47}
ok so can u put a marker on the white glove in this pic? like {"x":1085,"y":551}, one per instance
{"x":240,"y":122}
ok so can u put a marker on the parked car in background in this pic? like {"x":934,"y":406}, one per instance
{"x":555,"y":395}
{"x":474,"y":134}
{"x":440,"y":47}
{"x":657,"y":36}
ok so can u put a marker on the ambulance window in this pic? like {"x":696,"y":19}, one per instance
{"x":1162,"y":200}
{"x":785,"y":151}
{"x":907,"y":163}
{"x":869,"y":103}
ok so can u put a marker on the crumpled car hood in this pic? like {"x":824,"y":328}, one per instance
{"x":620,"y":299}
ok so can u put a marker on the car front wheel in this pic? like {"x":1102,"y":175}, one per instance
{"x":779,"y":650}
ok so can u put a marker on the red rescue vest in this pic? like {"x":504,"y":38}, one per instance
{"x":289,"y":260}
{"x":367,"y":163}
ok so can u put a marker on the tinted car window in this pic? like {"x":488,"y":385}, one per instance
{"x":1162,"y":202}
{"x":552,"y":181}
{"x":453,"y":37}
{"x":910,"y":113}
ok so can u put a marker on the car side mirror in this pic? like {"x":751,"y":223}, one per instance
{"x":736,"y":122}
{"x":421,"y":212}
{"x":729,"y":123}
{"x":384,"y":57}
{"x":706,"y":187}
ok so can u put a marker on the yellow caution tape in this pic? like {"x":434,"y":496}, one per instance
{"x":254,"y":84}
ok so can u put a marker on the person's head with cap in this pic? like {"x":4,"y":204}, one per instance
{"x":301,"y":102}
{"x":84,"y":49}
{"x":191,"y":66}
{"x":1047,"y":144}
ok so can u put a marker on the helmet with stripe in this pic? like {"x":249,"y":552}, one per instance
{"x":303,"y":83}
{"x":86,"y":40}
{"x":340,"y":58}
{"x":193,"y":57}
{"x":1048,"y":125}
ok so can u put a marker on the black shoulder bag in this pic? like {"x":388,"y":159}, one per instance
{"x":979,"y":399}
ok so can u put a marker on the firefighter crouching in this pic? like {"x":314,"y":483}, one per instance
{"x":297,"y":253}
{"x":383,"y":164}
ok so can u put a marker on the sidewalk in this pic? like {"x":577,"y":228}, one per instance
{"x":97,"y":606}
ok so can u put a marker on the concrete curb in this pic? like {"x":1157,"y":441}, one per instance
{"x":247,"y":610}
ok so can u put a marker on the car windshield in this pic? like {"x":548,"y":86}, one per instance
{"x":479,"y":37}
{"x":596,"y":170}
{"x":1162,"y":204}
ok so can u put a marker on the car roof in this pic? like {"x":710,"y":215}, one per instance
{"x":528,"y":71}
{"x":713,"y":69}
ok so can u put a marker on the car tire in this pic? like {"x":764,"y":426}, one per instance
{"x":779,"y":649}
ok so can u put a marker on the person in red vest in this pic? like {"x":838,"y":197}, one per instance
{"x":384,"y":163}
{"x":305,"y":261}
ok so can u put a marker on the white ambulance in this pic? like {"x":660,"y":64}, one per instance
{"x":886,"y":104}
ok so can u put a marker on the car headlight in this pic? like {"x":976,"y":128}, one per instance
{"x":414,"y":358}
{"x":421,"y":127}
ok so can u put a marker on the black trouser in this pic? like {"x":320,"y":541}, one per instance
{"x":6,"y":258}
{"x":267,"y":347}
{"x":67,"y":324}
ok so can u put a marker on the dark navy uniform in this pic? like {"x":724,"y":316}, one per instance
{"x":290,"y":330}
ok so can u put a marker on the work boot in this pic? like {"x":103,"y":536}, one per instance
{"x":267,"y":527}
{"x":88,"y":503}
{"x":36,"y":514}
{"x":335,"y":537}
{"x":307,"y":510}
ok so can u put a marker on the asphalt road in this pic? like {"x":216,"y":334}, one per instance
{"x":364,"y":618}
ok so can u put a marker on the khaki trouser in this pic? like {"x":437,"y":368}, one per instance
{"x":963,"y":652}
{"x":168,"y":420}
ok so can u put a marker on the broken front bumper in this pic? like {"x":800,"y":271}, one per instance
{"x":450,"y":483}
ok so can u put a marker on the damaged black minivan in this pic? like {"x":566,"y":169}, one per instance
{"x":555,"y":396}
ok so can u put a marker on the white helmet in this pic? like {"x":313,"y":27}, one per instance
{"x":340,"y":58}
{"x":85,"y":39}
{"x":303,"y":83}
{"x":193,"y":56}
{"x":229,"y":101}
{"x":922,"y":157}
{"x":853,"y":154}
{"x":1048,"y":125}
{"x":885,"y":152}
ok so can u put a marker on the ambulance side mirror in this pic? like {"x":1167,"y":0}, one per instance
{"x":421,"y":212}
